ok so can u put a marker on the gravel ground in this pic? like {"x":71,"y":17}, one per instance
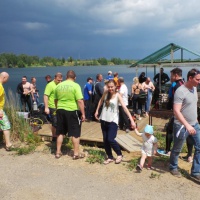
{"x":40,"y":176}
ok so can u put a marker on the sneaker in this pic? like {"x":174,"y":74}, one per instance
{"x":176,"y":173}
{"x":127,"y":130}
{"x":196,"y":178}
{"x":149,"y":167}
{"x":139,"y":168}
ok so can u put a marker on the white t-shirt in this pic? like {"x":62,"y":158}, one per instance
{"x":124,"y":93}
{"x":148,"y":143}
{"x":111,"y":113}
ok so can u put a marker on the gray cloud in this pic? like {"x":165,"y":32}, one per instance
{"x":90,"y":29}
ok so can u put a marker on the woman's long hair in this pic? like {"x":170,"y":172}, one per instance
{"x":109,"y":95}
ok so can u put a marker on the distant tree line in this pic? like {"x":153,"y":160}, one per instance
{"x":10,"y":60}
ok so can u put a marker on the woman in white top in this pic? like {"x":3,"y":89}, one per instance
{"x":109,"y":121}
{"x":148,"y":87}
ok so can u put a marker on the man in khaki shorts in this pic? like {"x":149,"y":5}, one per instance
{"x":4,"y":122}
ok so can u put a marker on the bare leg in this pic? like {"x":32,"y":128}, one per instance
{"x":142,"y":160}
{"x":149,"y":161}
{"x":59,"y":143}
{"x":7,"y":138}
{"x":76,"y":142}
{"x":53,"y":130}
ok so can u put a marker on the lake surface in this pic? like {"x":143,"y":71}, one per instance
{"x":82,"y":73}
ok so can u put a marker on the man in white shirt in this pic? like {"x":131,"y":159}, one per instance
{"x":123,"y":119}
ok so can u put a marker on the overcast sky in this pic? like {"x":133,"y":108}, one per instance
{"x":129,"y":29}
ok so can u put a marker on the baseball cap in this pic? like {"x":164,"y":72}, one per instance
{"x":109,"y":72}
{"x":148,"y":129}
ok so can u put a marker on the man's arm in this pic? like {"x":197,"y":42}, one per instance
{"x":166,"y":78}
{"x":19,"y":89}
{"x":81,"y":107}
{"x":46,"y":108}
{"x":181,"y":119}
{"x":155,"y":78}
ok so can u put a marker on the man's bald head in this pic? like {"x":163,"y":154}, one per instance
{"x":4,"y":76}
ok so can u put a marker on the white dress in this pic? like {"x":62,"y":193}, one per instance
{"x":147,"y":147}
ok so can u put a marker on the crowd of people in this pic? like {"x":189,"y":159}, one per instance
{"x":67,"y":107}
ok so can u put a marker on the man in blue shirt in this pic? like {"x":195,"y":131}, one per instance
{"x":88,"y":98}
{"x":110,"y":76}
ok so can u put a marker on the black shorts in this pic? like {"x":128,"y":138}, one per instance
{"x":53,"y":117}
{"x":68,"y":122}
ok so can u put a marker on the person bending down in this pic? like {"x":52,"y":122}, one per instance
{"x":149,"y":147}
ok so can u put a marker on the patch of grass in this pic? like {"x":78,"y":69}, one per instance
{"x":154,"y":175}
{"x":185,"y":173}
{"x":21,"y":130}
{"x":162,"y":159}
{"x":133,"y":163}
{"x":68,"y":142}
{"x":95,"y":156}
{"x":25,"y":150}
{"x":162,"y":141}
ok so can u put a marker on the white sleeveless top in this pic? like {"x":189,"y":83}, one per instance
{"x":111,"y":114}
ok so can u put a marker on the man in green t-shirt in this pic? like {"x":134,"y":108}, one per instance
{"x":49,"y":104}
{"x":70,"y":112}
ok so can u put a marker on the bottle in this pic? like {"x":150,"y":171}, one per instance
{"x":35,"y":107}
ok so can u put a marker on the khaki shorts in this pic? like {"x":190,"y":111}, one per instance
{"x":4,"y":122}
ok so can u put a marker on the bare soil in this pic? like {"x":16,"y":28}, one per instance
{"x":40,"y":176}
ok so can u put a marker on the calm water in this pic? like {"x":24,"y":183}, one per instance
{"x":82,"y":72}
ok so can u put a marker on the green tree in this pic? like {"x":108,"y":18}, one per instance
{"x":103,"y":61}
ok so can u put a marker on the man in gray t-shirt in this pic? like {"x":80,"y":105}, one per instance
{"x":185,"y":123}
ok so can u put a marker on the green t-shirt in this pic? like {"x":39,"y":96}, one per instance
{"x":49,"y":91}
{"x":67,"y":93}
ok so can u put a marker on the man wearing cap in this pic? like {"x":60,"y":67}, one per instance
{"x":88,"y":98}
{"x":110,"y":76}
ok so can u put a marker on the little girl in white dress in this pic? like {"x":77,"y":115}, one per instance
{"x":149,"y":147}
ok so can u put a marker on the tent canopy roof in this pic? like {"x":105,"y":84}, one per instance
{"x":155,"y":57}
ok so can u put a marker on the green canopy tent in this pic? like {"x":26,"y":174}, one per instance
{"x":157,"y":58}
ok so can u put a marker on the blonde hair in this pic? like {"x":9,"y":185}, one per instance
{"x":135,"y":80}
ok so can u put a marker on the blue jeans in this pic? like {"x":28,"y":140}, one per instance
{"x":109,"y":130}
{"x":178,"y":144}
{"x":149,"y":99}
{"x":36,"y":98}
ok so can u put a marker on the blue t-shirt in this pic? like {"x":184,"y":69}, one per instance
{"x":87,"y":88}
{"x":109,"y":77}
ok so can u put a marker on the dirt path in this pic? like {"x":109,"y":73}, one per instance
{"x":40,"y":176}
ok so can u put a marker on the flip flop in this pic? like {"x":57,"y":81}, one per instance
{"x":81,"y":155}
{"x":107,"y":161}
{"x":119,"y":159}
{"x":58,"y":155}
{"x":10,"y":148}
